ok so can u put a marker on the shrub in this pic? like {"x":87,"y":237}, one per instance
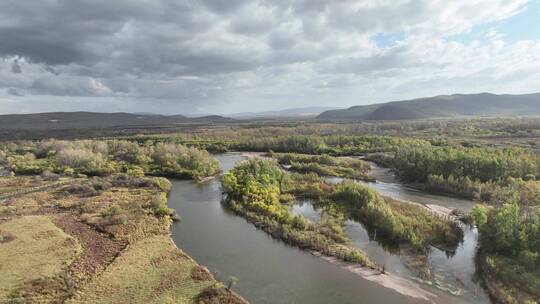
{"x":201,"y":273}
{"x":83,"y":160}
{"x":162,"y":184}
{"x":129,"y":152}
{"x":112,"y":210}
{"x":529,"y":258}
{"x":530,"y":177}
{"x":114,"y":214}
{"x":286,"y":198}
{"x":100,"y":184}
{"x":299,"y":222}
{"x":135,"y":171}
{"x":177,"y":160}
{"x":49,"y":176}
{"x":3,"y":158}
{"x":83,"y":190}
{"x":159,"y":205}
{"x":68,"y":171}
{"x":100,"y":157}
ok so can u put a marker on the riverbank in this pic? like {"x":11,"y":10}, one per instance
{"x":252,"y":155}
{"x":257,"y":202}
{"x":396,"y":283}
{"x":98,"y":240}
{"x":254,"y":191}
{"x":268,"y":270}
{"x":499,"y":278}
{"x":457,"y":273}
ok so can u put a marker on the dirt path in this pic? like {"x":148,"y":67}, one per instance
{"x":99,"y":249}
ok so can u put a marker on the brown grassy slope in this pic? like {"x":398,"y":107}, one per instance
{"x":94,"y":241}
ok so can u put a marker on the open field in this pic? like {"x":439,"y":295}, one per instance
{"x":99,"y":240}
{"x":32,"y":248}
{"x":151,"y":270}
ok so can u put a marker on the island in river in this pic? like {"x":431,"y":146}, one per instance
{"x":269,"y":271}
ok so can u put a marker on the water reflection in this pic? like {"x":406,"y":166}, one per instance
{"x":272,"y":272}
{"x":268,"y":271}
{"x":452,"y":271}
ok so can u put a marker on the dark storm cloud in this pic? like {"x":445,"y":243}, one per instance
{"x":56,"y":32}
{"x":82,"y":31}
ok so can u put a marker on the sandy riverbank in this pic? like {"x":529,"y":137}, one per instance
{"x":398,"y":284}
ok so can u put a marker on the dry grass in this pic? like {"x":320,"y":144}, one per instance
{"x":73,"y":261}
{"x":151,"y":270}
{"x":21,"y":184}
{"x":38,"y":250}
{"x":13,"y":184}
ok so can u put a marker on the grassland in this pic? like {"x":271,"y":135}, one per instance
{"x":95,"y":240}
{"x":151,"y":270}
{"x":33,"y":248}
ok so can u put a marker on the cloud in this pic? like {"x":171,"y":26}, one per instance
{"x":69,"y":86}
{"x":14,"y":92}
{"x":16,"y":67}
{"x":224,"y":56}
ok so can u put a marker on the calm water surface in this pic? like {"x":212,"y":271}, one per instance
{"x":267,"y":270}
{"x":454,"y":273}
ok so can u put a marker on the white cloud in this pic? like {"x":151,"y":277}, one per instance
{"x":255,"y":55}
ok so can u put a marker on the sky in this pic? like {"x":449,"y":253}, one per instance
{"x":229,"y":56}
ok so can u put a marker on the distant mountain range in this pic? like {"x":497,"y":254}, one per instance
{"x":444,"y":106}
{"x":286,"y":113}
{"x":80,"y":120}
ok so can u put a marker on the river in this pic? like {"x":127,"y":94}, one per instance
{"x":269,"y":271}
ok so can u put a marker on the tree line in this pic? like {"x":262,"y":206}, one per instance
{"x":103,"y":157}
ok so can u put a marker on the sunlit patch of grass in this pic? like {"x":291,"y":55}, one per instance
{"x":35,"y":255}
{"x":151,"y":270}
{"x":123,"y":212}
{"x":37,"y":249}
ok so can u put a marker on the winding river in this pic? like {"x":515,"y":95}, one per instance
{"x":269,"y":271}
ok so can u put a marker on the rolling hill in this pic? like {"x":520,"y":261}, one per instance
{"x":444,"y":106}
{"x":85,"y":120}
{"x":285,"y":113}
